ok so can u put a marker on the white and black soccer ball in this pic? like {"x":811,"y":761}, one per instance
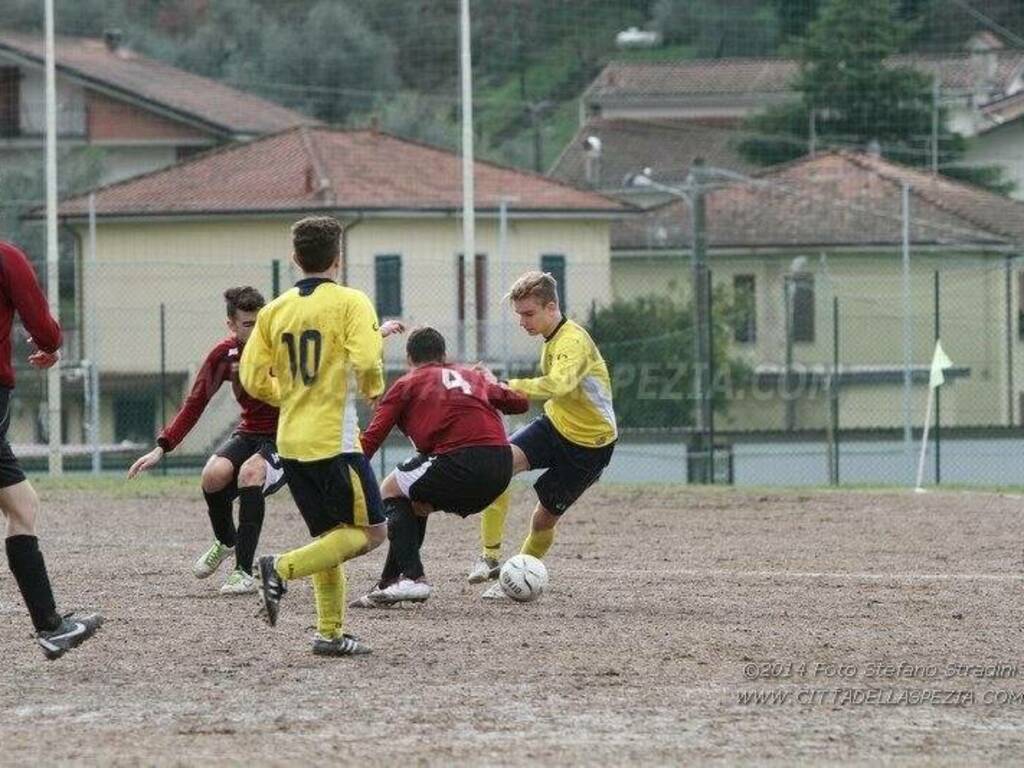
{"x":523,"y":577}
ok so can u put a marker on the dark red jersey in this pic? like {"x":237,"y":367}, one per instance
{"x":20,"y":292}
{"x":443,"y":408}
{"x":220,"y":365}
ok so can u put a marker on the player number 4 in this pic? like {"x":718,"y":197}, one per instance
{"x":453,"y":380}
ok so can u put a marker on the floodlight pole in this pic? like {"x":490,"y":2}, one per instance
{"x":701,"y":321}
{"x":56,"y":464}
{"x":468,"y":351}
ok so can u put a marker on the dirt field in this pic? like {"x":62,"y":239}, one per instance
{"x":662,"y":606}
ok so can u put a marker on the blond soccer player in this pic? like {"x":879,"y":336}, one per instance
{"x":573,"y":440}
{"x":300,"y":355}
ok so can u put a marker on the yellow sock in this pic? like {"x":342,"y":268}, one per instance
{"x":334,"y":547}
{"x":538,"y":543}
{"x":492,"y":525}
{"x":329,"y":592}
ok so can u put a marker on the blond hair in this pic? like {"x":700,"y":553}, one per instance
{"x":534,"y":284}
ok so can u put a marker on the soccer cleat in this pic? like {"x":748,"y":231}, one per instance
{"x":72,"y":632}
{"x":343,"y":645}
{"x":495,"y":592}
{"x":375,"y":598}
{"x":272,"y":589}
{"x":208,"y":562}
{"x":238,"y":582}
{"x":406,"y":590}
{"x":484,"y":569}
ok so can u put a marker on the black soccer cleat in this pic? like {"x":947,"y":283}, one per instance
{"x":72,"y":632}
{"x":345,"y":645}
{"x":272,"y":588}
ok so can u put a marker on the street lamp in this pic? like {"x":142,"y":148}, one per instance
{"x":693,"y":193}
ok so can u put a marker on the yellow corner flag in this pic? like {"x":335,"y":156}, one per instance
{"x":940,"y":362}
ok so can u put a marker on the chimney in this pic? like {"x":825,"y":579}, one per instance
{"x":112,"y":38}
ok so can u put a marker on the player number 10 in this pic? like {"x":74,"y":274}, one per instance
{"x":300,"y":354}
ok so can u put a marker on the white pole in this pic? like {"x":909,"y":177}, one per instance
{"x":92,"y":285}
{"x":908,"y":447}
{"x":924,"y":441}
{"x":468,"y":206}
{"x":52,"y":251}
{"x":503,"y":277}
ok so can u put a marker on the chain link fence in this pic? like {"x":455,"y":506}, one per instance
{"x":838,"y":250}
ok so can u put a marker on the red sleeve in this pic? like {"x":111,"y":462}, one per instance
{"x":29,"y":301}
{"x":214,"y":372}
{"x":507,"y":400}
{"x":384,"y":418}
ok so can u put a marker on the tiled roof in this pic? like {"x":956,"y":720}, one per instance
{"x":137,"y":77}
{"x":667,"y":147}
{"x":834,"y":199}
{"x":625,"y":80}
{"x":324,"y":169}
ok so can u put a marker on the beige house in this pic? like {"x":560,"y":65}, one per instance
{"x":785,"y":244}
{"x":170,"y":242}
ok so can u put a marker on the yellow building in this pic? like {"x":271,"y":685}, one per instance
{"x":168,"y":244}
{"x":789,"y":241}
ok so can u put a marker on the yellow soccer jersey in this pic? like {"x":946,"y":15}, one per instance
{"x":301,"y":353}
{"x":576,"y":386}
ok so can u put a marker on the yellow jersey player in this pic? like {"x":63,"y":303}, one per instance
{"x":300,"y":356}
{"x":575,"y":437}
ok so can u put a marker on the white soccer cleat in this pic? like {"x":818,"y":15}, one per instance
{"x":406,"y":591}
{"x":495,"y":592}
{"x":208,"y":562}
{"x":401,"y":591}
{"x":239,"y":582}
{"x":484,"y":569}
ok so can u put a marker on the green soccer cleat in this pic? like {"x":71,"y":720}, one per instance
{"x":239,"y":582}
{"x":208,"y":562}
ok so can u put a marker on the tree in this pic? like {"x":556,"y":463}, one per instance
{"x":648,"y":345}
{"x":737,"y":28}
{"x":857,"y":97}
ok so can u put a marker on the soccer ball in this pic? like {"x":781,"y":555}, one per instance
{"x":523,"y":577}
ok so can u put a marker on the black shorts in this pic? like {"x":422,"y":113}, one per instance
{"x":242,"y":445}
{"x":571,"y":468}
{"x":462,"y":482}
{"x":341,"y":490}
{"x":10,"y":470}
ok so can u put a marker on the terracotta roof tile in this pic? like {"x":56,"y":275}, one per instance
{"x":321,"y":168}
{"x":625,"y":80}
{"x":835,"y":199}
{"x":199,"y":98}
{"x":667,"y":147}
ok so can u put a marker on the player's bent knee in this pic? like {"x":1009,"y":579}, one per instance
{"x":543,"y":519}
{"x":378,"y":534}
{"x":252,"y":473}
{"x":217,"y":474}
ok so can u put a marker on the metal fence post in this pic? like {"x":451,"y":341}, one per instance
{"x":275,"y":278}
{"x":938,"y":395}
{"x":163,"y":373}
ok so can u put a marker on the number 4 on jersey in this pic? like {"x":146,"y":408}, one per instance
{"x":453,"y":380}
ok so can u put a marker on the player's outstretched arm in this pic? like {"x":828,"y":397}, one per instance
{"x":565,"y":375}
{"x":148,"y":461}
{"x":365,"y":346}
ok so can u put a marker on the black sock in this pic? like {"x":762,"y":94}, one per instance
{"x":422,"y":523}
{"x":218,"y":505}
{"x":392,"y":569}
{"x":404,"y":536}
{"x":29,"y":569}
{"x":251,"y":507}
